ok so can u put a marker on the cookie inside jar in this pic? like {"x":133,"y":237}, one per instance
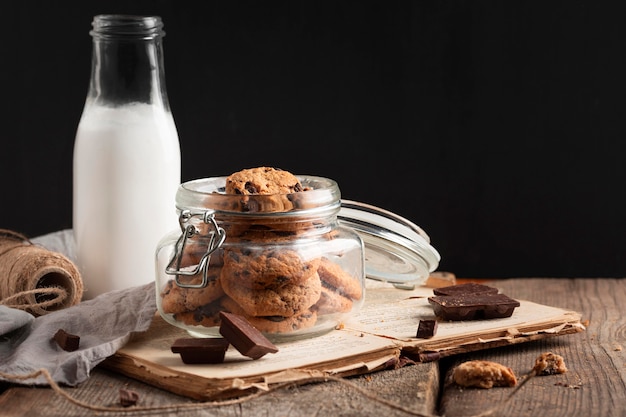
{"x":264,"y":244}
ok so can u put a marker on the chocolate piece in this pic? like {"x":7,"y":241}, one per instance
{"x":246,"y":338}
{"x":426,"y":329}
{"x":201,"y":350}
{"x":68,"y":342}
{"x":466,"y":288}
{"x":128,"y":397}
{"x":473,"y":306}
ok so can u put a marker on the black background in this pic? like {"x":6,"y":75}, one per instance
{"x":498,"y":126}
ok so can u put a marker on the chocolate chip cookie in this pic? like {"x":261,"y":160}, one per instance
{"x":271,"y":268}
{"x":286,"y":301}
{"x":335,"y":277}
{"x":263,"y":189}
{"x":262,"y":180}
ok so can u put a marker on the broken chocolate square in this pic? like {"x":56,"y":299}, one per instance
{"x":201,"y":350}
{"x":68,"y":342}
{"x":473,"y":306}
{"x":426,"y":329}
{"x":246,"y":338}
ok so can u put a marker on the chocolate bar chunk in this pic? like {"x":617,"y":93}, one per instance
{"x":201,"y":350}
{"x":246,"y":338}
{"x":128,"y":397}
{"x":68,"y":342}
{"x":466,"y":288}
{"x":426,"y":329}
{"x":473,"y":306}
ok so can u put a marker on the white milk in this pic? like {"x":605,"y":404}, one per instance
{"x":126,"y":173}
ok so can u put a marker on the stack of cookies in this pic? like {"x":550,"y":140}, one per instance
{"x":258,"y":273}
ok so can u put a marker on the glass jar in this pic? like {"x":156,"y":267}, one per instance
{"x":284,"y":262}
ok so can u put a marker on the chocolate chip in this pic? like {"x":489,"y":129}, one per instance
{"x":275,"y":319}
{"x":68,"y":342}
{"x":246,"y":338}
{"x":210,"y":309}
{"x":128,"y":397}
{"x":251,"y":188}
{"x":250,"y":206}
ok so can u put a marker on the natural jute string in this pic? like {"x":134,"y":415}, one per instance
{"x":35,"y":279}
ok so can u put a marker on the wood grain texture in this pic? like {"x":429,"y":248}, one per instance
{"x":414,"y":387}
{"x":595,"y":384}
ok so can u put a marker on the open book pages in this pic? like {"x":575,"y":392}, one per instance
{"x":384,"y":329}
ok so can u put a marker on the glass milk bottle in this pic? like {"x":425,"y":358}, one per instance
{"x":126,"y":156}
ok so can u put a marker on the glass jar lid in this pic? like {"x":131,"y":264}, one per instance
{"x":397,"y":251}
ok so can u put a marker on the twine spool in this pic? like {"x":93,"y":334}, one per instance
{"x":35,"y":279}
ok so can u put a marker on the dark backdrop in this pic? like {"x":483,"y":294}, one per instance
{"x":496,"y":126}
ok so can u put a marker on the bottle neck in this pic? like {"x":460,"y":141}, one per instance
{"x":127,"y":61}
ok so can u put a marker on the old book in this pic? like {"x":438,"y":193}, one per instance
{"x":384,"y":329}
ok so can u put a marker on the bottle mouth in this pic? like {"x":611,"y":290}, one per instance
{"x":127,"y":26}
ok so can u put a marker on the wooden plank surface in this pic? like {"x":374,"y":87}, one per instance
{"x":595,"y":384}
{"x":412,"y":387}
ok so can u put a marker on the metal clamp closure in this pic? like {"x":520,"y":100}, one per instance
{"x":216,"y":238}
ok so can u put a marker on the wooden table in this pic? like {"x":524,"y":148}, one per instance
{"x":595,"y":384}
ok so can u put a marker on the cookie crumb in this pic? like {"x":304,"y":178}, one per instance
{"x":483,"y":374}
{"x":549,"y":364}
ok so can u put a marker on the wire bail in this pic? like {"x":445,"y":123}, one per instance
{"x":188,"y":231}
